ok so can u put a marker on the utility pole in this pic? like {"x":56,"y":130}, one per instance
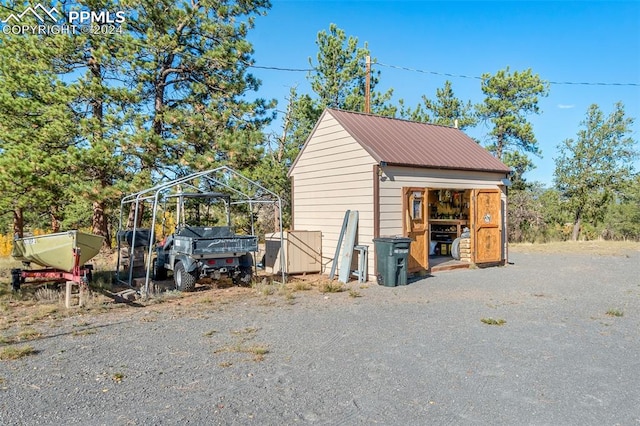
{"x":367,"y":87}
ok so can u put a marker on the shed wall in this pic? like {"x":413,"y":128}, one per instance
{"x":395,"y":178}
{"x":333,"y":174}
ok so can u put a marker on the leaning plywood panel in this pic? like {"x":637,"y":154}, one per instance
{"x":302,"y":252}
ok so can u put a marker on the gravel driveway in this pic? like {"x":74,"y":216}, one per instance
{"x":416,"y":354}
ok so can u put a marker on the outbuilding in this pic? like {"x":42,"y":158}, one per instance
{"x":417,"y":180}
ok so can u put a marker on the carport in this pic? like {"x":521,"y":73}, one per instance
{"x":242,"y":190}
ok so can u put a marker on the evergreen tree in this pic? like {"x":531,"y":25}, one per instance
{"x":36,"y":130}
{"x":445,"y":110}
{"x":509,"y":99}
{"x":592,"y":170}
{"x":191,"y":67}
{"x":520,"y":164}
{"x":339,"y":77}
{"x":103,"y":107}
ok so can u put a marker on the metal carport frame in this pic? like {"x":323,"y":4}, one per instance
{"x":220,"y":177}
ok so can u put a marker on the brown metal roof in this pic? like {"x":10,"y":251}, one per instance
{"x":409,"y":143}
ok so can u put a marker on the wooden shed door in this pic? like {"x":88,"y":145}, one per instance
{"x":414,"y":220}
{"x":487,"y":220}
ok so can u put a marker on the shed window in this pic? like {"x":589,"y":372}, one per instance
{"x":417,"y":209}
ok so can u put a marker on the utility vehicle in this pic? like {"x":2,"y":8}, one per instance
{"x":195,"y":250}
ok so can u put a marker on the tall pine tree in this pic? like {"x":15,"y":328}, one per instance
{"x":445,"y":110}
{"x":37,"y":130}
{"x":191,"y":70}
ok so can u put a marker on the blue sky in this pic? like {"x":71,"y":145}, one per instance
{"x":562,"y":41}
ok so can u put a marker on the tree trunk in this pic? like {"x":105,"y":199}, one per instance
{"x":55,"y":222}
{"x":18,"y":223}
{"x":576,"y":226}
{"x":99,"y":224}
{"x":132,"y":215}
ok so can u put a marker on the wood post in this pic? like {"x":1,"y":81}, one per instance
{"x":67,"y":297}
{"x":367,"y":87}
{"x":81,"y":297}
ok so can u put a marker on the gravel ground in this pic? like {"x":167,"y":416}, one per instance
{"x":416,"y":354}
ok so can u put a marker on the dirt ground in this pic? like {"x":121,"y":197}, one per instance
{"x":551,"y":338}
{"x":28,"y":307}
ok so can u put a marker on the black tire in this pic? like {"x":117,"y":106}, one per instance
{"x":185,"y":281}
{"x":16,"y":279}
{"x":245,"y":271}
{"x":159,"y":271}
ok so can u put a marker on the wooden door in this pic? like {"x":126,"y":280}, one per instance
{"x":415,"y":226}
{"x":487,"y":225}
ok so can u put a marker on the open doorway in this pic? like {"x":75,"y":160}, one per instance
{"x":452,"y":227}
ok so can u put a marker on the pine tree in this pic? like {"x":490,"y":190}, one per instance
{"x":445,"y":110}
{"x":103,"y":109}
{"x":191,"y":67}
{"x":509,"y":99}
{"x":36,"y":130}
{"x":339,"y":75}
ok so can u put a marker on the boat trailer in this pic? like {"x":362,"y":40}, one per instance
{"x":79,"y":274}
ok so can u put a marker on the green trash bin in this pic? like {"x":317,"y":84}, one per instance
{"x":392,"y":260}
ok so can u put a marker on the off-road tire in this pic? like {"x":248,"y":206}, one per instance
{"x":159,"y":271}
{"x":184,"y":281}
{"x":245,"y":271}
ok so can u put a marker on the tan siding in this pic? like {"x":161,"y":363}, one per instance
{"x":333,"y":174}
{"x":337,"y":197}
{"x":345,"y":173}
{"x":332,"y":183}
{"x":399,"y":177}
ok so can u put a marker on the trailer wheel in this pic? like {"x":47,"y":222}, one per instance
{"x":16,"y":279}
{"x":185,"y":281}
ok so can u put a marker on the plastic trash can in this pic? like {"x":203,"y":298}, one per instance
{"x":392,"y":260}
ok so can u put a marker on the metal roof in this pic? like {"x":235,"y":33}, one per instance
{"x":414,"y":144}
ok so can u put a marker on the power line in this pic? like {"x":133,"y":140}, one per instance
{"x":283,"y":69}
{"x":427,"y":72}
{"x":443,"y":74}
{"x":446,"y":74}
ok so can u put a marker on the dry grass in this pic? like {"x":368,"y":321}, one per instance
{"x":242,"y":337}
{"x":331,"y":287}
{"x":16,"y":352}
{"x":493,"y":321}
{"x":37,"y":303}
{"x":602,"y":248}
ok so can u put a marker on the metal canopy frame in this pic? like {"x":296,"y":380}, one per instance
{"x":201,"y":183}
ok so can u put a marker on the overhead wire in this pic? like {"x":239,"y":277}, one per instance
{"x":398,"y":67}
{"x":445,"y":74}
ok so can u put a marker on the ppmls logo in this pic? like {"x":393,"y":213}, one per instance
{"x":40,"y":12}
{"x":51,"y":21}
